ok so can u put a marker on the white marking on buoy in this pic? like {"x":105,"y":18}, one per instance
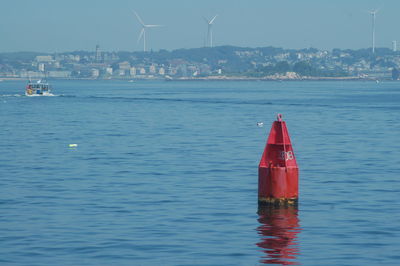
{"x":287,"y":156}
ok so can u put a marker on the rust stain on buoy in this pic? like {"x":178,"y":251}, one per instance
{"x":278,"y":173}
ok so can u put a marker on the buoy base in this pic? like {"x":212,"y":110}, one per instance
{"x":277,"y":201}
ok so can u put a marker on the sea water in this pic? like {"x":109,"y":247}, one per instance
{"x":165,"y":173}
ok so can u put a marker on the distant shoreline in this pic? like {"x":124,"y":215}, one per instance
{"x":233,"y":78}
{"x":214,"y":78}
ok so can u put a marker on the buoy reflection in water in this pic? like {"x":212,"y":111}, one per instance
{"x":279,"y":227}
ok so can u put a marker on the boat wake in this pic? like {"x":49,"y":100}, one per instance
{"x":24,"y":95}
{"x":11,"y":95}
{"x":41,"y":95}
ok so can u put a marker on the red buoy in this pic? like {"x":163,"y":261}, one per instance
{"x":278,"y":174}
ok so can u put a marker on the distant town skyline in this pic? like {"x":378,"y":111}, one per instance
{"x":59,"y":26}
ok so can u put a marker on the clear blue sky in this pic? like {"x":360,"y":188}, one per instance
{"x":68,"y":25}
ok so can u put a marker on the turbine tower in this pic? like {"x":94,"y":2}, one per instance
{"x":209,"y":30}
{"x":143,"y":31}
{"x":373,"y":14}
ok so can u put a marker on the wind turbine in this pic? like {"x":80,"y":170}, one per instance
{"x":373,"y":14}
{"x":143,"y":31}
{"x":209,"y":30}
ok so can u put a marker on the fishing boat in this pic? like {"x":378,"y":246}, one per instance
{"x":38,"y":88}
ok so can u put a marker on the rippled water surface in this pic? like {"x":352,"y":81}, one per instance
{"x":165,"y":173}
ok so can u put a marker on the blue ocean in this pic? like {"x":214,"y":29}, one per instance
{"x":165,"y":173}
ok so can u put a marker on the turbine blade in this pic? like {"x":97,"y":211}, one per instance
{"x":140,"y":35}
{"x":137,"y":16}
{"x":373,"y":11}
{"x":211,"y":21}
{"x":153,"y":26}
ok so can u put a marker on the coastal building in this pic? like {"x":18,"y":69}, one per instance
{"x":109,"y":70}
{"x":161,"y":71}
{"x":132,"y":71}
{"x":205,"y":69}
{"x":59,"y":74}
{"x":124,"y":65}
{"x":172,"y":71}
{"x":95,"y":73}
{"x":192,"y":70}
{"x":31,"y":74}
{"x":152,"y":69}
{"x":281,"y":57}
{"x":182,"y":70}
{"x":41,"y":67}
{"x":98,"y":54}
{"x":44,"y":58}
